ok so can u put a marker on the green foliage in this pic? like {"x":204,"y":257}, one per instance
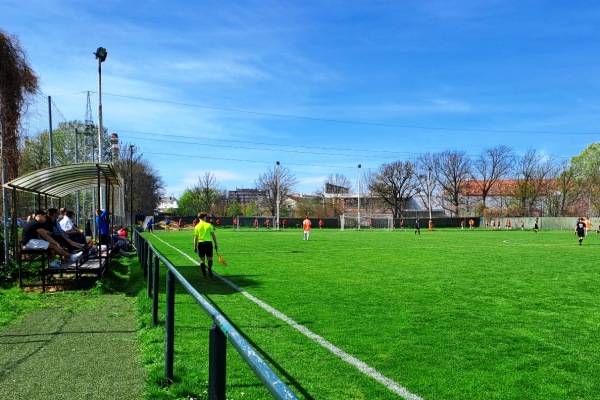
{"x":587,"y":163}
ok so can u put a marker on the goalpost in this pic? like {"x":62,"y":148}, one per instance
{"x":367,"y":221}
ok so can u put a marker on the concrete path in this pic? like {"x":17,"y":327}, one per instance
{"x":86,"y":350}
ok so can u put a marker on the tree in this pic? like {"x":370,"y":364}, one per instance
{"x":490,"y":166}
{"x":336,"y":186}
{"x":268,"y":183}
{"x":586,"y":167}
{"x":395,"y":183}
{"x":143,"y":184}
{"x":208,"y":195}
{"x":566,"y":191}
{"x":17,"y":82}
{"x":534,"y":174}
{"x":425,"y":174}
{"x":451,"y":169}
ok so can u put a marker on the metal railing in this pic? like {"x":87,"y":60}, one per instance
{"x":220,"y":332}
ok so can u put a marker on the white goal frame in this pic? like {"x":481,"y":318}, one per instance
{"x":367,"y":221}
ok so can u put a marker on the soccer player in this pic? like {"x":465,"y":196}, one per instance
{"x":402,"y":224}
{"x":462,"y":224}
{"x":580,"y":230}
{"x":522,"y":225}
{"x":284,"y":223}
{"x":588,"y":225}
{"x":417,"y":227}
{"x":167,"y":224}
{"x":471,"y":224}
{"x":430,"y":226}
{"x":321,"y":224}
{"x":150,"y":226}
{"x":306,"y":224}
{"x":180,"y":224}
{"x":204,"y":237}
{"x":256,"y":223}
{"x":267,"y":223}
{"x":536,"y":226}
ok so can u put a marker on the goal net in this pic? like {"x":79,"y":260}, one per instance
{"x":366,"y":221}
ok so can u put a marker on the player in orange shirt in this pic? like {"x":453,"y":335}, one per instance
{"x":306,"y":224}
{"x":471,"y":224}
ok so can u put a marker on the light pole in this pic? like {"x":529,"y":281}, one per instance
{"x":131,"y":148}
{"x":277,"y":200}
{"x":429,"y":191}
{"x":358,"y":187}
{"x":100,"y":54}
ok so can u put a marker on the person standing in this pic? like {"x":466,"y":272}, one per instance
{"x":430,"y":227}
{"x":180,"y":224}
{"x":580,"y":230}
{"x":306,"y":225}
{"x":204,"y":237}
{"x":101,"y":226}
{"x":167,"y":224}
{"x":256,"y":223}
{"x":536,"y":226}
{"x":417,"y":227}
{"x":150,"y":226}
{"x":321,"y":224}
{"x":471,"y":224}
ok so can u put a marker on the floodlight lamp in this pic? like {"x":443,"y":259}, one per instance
{"x":101,"y":54}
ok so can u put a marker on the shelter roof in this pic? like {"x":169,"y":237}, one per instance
{"x":62,"y":180}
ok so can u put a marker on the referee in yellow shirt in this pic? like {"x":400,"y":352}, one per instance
{"x":204,"y":236}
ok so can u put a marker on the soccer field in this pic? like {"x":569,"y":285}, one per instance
{"x":450,"y":314}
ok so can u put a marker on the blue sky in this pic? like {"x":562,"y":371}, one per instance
{"x":231,"y":87}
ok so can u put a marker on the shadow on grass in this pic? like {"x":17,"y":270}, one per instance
{"x":276,"y":366}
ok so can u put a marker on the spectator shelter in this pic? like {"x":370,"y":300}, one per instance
{"x":58,"y":182}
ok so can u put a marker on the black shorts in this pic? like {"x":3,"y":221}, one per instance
{"x":205,"y":249}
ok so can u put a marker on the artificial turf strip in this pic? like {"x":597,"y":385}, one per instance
{"x":80,"y":347}
{"x":450,"y":314}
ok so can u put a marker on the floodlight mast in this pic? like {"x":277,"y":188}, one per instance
{"x":277,"y":201}
{"x":100,"y":54}
{"x":358,"y":187}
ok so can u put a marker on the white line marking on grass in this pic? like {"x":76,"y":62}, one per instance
{"x":361,"y":366}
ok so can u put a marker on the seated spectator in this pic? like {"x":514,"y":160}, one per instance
{"x":71,"y":231}
{"x":55,"y":232}
{"x":35,"y":236}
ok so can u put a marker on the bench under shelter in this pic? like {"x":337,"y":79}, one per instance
{"x":53,"y":184}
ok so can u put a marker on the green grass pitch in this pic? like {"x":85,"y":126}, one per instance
{"x":450,"y":314}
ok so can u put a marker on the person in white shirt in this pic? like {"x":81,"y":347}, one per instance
{"x":69,"y":228}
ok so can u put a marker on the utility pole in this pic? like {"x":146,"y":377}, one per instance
{"x":277,"y":201}
{"x":358,"y":187}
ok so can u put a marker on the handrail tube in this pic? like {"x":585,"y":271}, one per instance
{"x":278,"y":389}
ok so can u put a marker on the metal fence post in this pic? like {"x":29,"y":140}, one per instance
{"x":142,"y":253}
{"x":147,"y":259}
{"x":150,"y":277}
{"x":217,"y":360}
{"x":155,"y":286}
{"x":170,"y":326}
